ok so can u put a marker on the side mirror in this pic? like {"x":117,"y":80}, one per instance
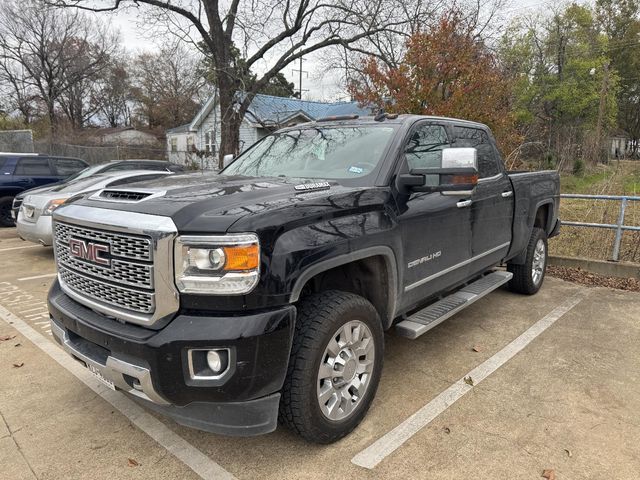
{"x":226,"y":160}
{"x":457,"y":175}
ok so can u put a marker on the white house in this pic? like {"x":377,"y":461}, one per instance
{"x":124,"y":136}
{"x":266,"y":114}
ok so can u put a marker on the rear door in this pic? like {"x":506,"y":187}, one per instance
{"x":492,"y":199}
{"x":435,"y":228}
{"x":31,"y":172}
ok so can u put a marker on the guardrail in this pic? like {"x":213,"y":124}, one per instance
{"x":619,"y":227}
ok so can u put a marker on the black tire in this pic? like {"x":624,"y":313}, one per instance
{"x":523,"y":280}
{"x":320,"y":318}
{"x":5,"y":212}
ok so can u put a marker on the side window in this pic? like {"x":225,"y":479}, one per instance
{"x":488,"y":160}
{"x":121,"y":166}
{"x":67,"y":166}
{"x":424,"y":146}
{"x":33,"y":167}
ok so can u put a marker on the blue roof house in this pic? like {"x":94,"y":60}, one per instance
{"x":266,"y":114}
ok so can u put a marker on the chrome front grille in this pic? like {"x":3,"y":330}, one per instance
{"x":125,"y":246}
{"x":136,"y":283}
{"x":125,"y":272}
{"x":126,"y":283}
{"x":136,"y":301}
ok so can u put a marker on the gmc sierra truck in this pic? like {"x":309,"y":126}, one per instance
{"x":230,"y":301}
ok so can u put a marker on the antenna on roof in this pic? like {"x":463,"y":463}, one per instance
{"x":380,"y":116}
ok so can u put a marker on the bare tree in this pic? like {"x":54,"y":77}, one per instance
{"x":46,"y":52}
{"x":114,"y":95}
{"x":166,"y":86}
{"x":269,"y":35}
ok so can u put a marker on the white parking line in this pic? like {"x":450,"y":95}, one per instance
{"x":173,"y":443}
{"x":46,"y":275}
{"x":19,"y":248}
{"x":387,"y":444}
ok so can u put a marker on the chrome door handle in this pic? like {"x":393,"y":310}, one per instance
{"x":464,"y":203}
{"x":507,"y":194}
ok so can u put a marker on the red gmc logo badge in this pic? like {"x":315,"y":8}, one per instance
{"x":89,"y":251}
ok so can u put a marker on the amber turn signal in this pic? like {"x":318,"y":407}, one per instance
{"x":464,"y":179}
{"x":242,"y":257}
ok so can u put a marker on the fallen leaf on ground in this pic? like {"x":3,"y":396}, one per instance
{"x":447,"y":430}
{"x":476,"y":348}
{"x":133,"y":463}
{"x":18,"y":364}
{"x":569,"y":454}
{"x":468,"y":381}
{"x":4,"y":338}
{"x":549,"y":474}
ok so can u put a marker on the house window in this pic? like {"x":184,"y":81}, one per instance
{"x":190,"y":144}
{"x":209,"y":142}
{"x":174,"y":144}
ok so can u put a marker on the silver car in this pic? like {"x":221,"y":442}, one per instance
{"x":34,"y":217}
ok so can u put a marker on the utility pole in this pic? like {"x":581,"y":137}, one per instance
{"x":300,"y":71}
{"x":601,"y":111}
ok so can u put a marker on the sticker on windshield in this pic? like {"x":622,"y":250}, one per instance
{"x":356,"y":170}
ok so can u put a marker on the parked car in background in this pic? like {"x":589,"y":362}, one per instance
{"x":24,"y":171}
{"x":34,"y":216}
{"x":113,"y":166}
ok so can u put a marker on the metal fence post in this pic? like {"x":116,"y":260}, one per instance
{"x":618,"y":239}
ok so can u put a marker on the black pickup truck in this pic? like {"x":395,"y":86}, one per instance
{"x":228,"y":301}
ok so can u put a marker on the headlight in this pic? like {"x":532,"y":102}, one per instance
{"x":52,"y":205}
{"x":217,"y":265}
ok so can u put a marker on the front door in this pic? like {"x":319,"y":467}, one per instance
{"x":435,"y":228}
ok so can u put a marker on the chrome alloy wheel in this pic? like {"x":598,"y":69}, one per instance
{"x":538,"y":263}
{"x":345,"y":370}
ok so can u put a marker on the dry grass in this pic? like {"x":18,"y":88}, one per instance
{"x":620,"y":178}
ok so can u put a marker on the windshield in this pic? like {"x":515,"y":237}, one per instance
{"x":84,"y":173}
{"x":79,"y":184}
{"x":338,"y":153}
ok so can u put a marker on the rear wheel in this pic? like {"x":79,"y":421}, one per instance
{"x":528,"y":278}
{"x":5,"y":212}
{"x":335,"y":366}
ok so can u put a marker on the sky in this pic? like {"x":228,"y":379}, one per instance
{"x":320,"y":86}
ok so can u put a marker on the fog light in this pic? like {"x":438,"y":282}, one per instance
{"x":214,"y":360}
{"x":205,"y":364}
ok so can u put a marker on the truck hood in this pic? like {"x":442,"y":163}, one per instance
{"x":208,"y":203}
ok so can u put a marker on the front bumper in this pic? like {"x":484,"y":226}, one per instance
{"x":39,"y":231}
{"x":151,"y":365}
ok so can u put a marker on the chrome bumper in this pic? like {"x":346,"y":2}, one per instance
{"x":111,"y":368}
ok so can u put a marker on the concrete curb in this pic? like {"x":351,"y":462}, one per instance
{"x":601,"y":267}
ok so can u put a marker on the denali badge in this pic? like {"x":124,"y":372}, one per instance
{"x":305,"y":187}
{"x":89,"y":251}
{"x":426,"y":259}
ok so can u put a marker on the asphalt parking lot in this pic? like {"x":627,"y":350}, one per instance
{"x":556,"y":386}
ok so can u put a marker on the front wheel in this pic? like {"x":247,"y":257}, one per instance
{"x":334,"y":368}
{"x":528,"y":278}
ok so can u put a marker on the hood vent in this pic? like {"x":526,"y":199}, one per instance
{"x":124,"y":195}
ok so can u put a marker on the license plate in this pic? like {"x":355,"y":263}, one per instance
{"x":100,"y":377}
{"x":28,"y":211}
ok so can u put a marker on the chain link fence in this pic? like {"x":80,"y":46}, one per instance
{"x":100,"y":154}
